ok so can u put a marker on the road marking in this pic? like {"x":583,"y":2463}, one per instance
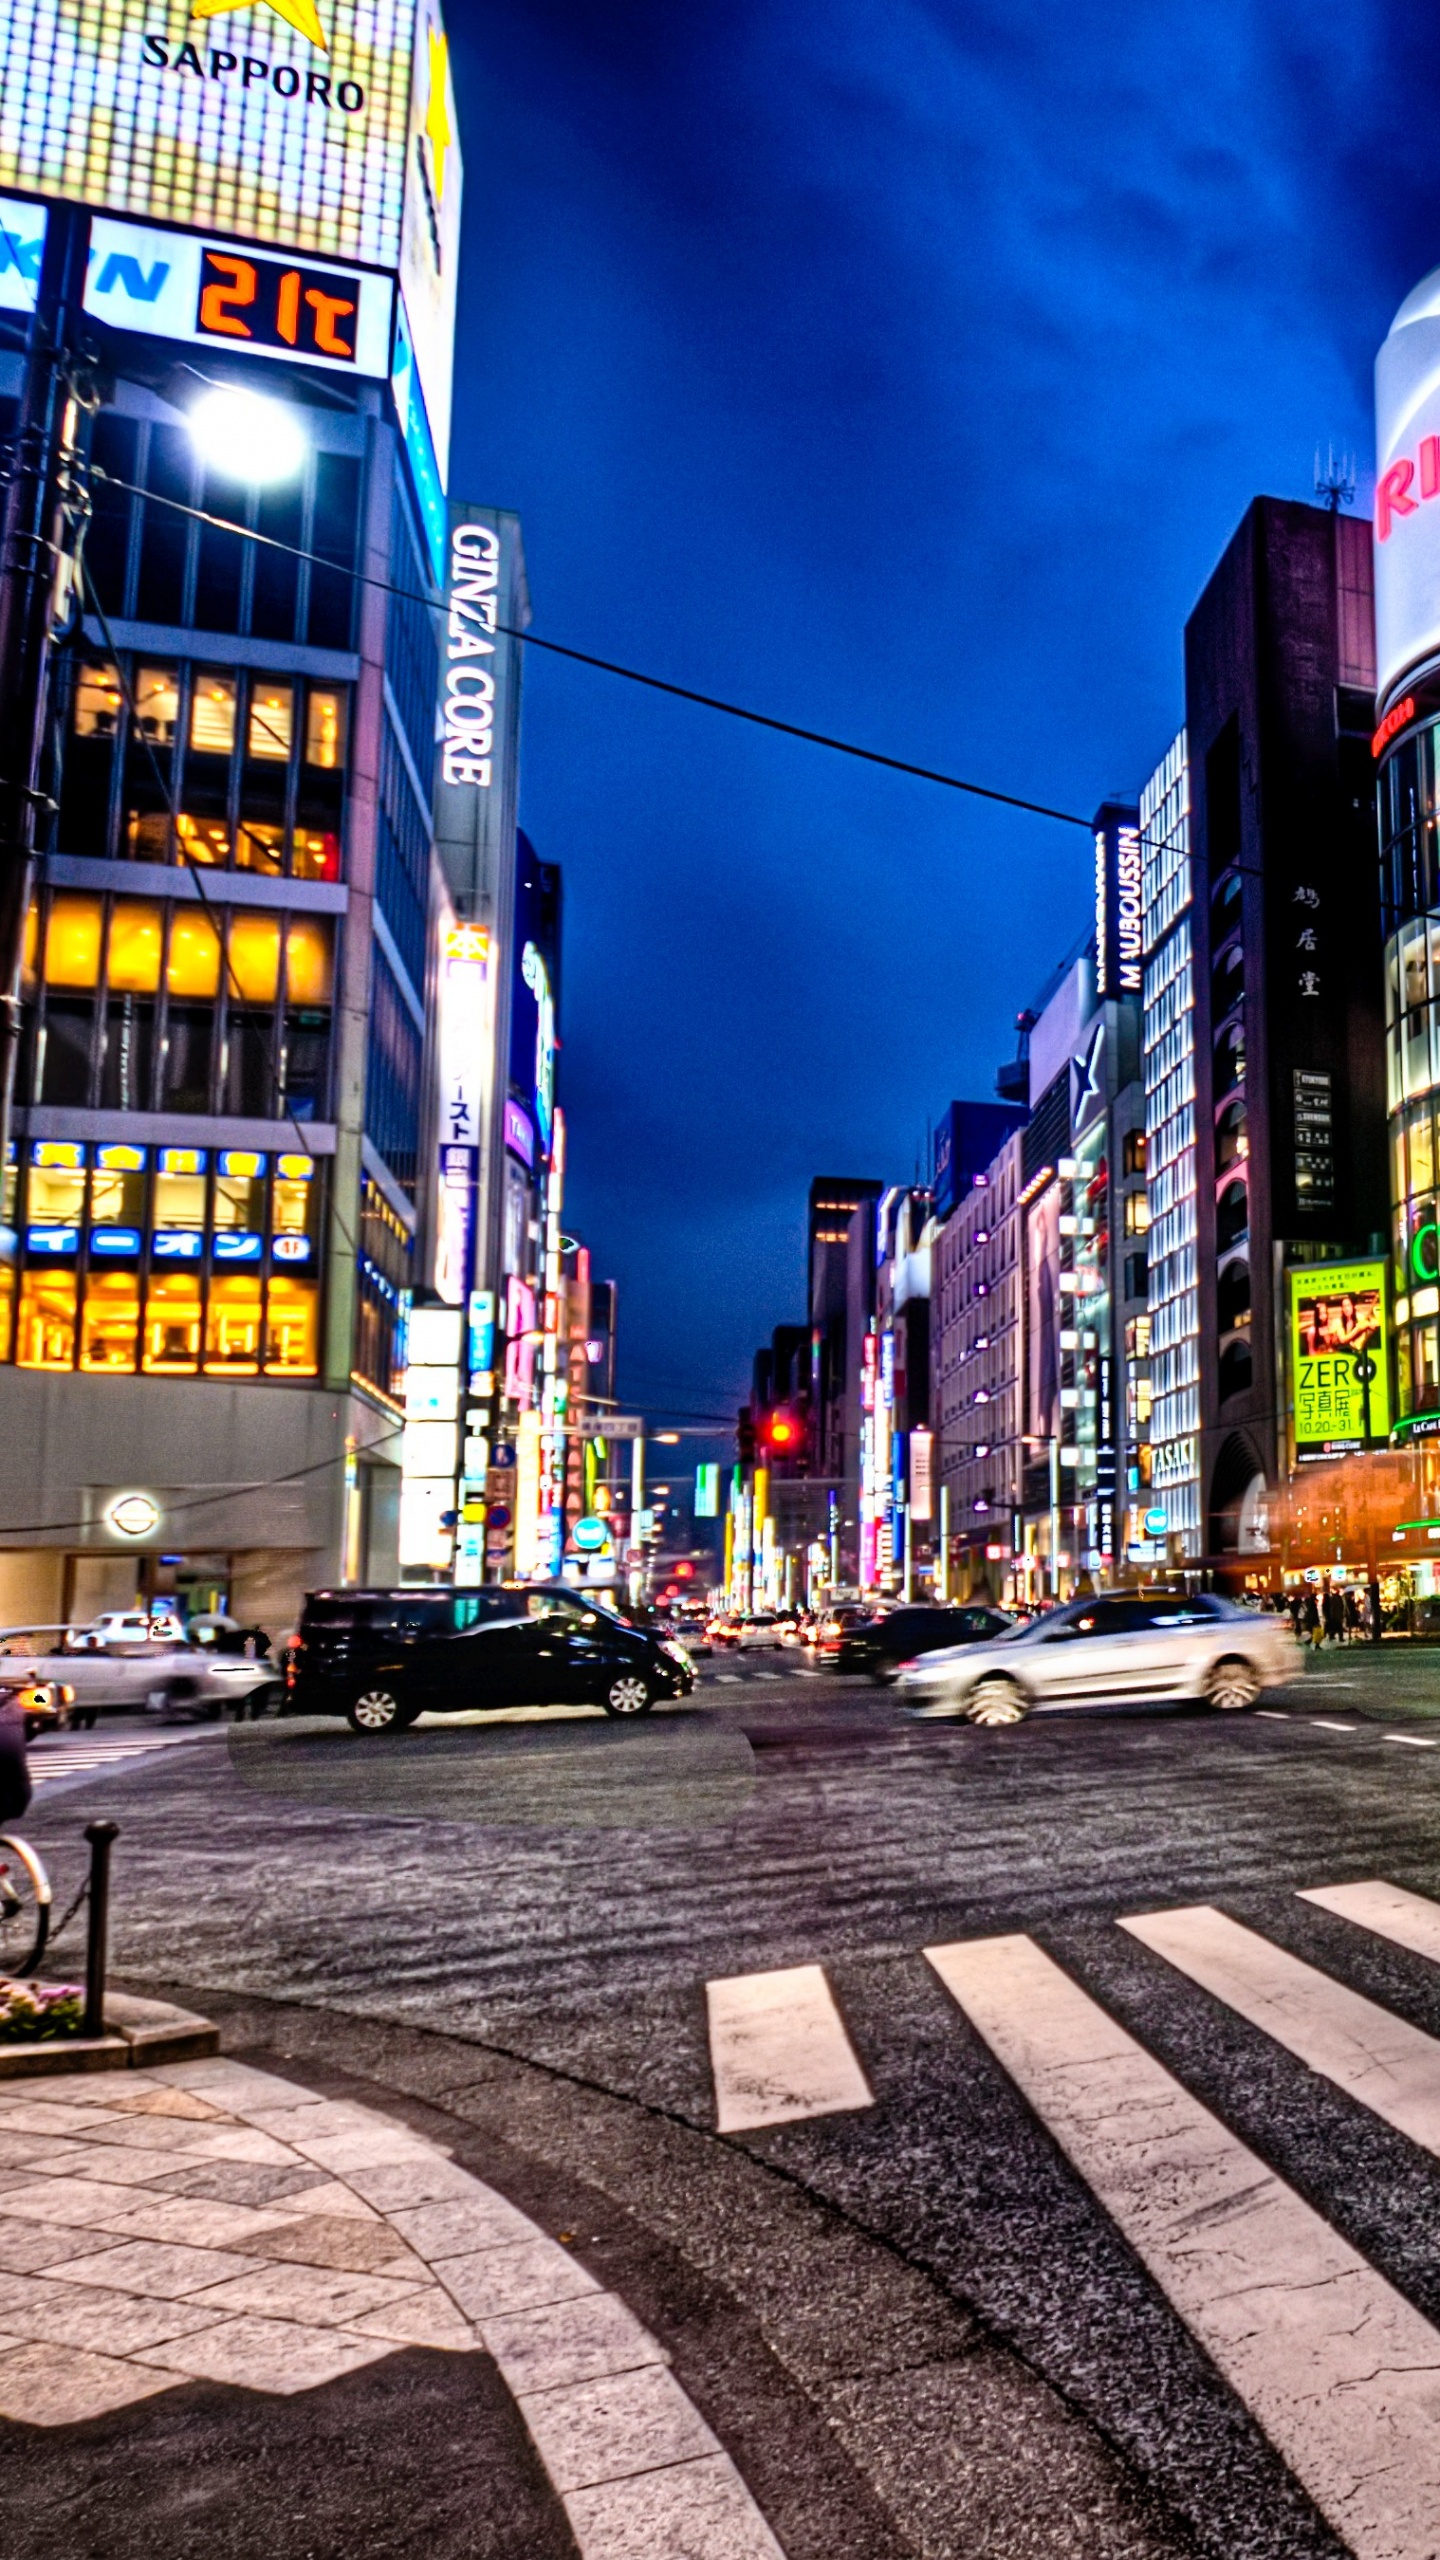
{"x":1277,"y":1715}
{"x":1416,"y":1741}
{"x":56,"y":1757}
{"x":1327,"y":1724}
{"x":1378,"y":2059}
{"x":779,"y":2051}
{"x":1406,"y":1919}
{"x":1328,"y":2358}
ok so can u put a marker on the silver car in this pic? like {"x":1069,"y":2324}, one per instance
{"x":1118,"y":1646}
{"x":159,"y":1673}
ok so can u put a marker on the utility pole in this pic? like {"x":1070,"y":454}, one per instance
{"x":44,"y":517}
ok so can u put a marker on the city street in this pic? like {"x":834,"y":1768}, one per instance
{"x":907,"y":2287}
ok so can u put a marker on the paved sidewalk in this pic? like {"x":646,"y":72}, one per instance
{"x":206,"y":2222}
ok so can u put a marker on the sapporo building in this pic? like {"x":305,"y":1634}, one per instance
{"x":215,"y":1182}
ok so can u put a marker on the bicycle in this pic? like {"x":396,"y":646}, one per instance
{"x":25,"y":1908}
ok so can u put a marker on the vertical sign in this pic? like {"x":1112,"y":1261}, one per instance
{"x":1119,"y":959}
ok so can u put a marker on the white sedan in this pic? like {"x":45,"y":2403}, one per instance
{"x":160,"y":1673}
{"x":1119,"y":1646}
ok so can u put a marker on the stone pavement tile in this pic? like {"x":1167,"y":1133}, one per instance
{"x":622,"y":2423}
{"x":333,"y":2195}
{"x":80,"y":2091}
{"x":324,"y":2297}
{"x":236,"y":2086}
{"x":428,"y":2319}
{"x":456,"y":2225}
{"x":515,"y":2279}
{"x":88,"y":2202}
{"x":195,"y":2219}
{"x":331,"y":2240}
{"x":43,"y":2115}
{"x":24,"y":2245}
{"x":239,"y":2182}
{"x":17,"y":2148}
{"x":220,"y":2141}
{"x":565,"y":2342}
{"x":68,"y":2158}
{"x":113,"y":2324}
{"x":167,"y":2102}
{"x":689,"y":2511}
{"x":317,"y":2116}
{"x":389,"y":2184}
{"x":380,"y":2145}
{"x":162,"y":2267}
{"x":267,"y":2355}
{"x":49,"y":2386}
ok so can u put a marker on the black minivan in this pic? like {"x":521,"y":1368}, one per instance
{"x":382,"y":1658}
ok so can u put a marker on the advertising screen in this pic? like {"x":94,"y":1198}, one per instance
{"x":1339,"y":1357}
{"x":1407,"y":487}
{"x":168,"y":284}
{"x":286,"y":121}
{"x":430,"y":241}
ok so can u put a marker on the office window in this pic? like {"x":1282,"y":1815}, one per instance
{"x":110,"y":1325}
{"x":45,"y":1333}
{"x":172,"y":1324}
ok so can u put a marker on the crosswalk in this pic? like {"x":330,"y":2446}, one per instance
{"x":69,"y":1756}
{"x":1337,"y":2368}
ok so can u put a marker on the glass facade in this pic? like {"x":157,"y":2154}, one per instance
{"x":1409,"y":800}
{"x":1168,"y":1068}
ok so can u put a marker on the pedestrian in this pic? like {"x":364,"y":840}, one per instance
{"x":1334,"y":1614}
{"x":1311,"y":1618}
{"x":1354,"y":1623}
{"x":1295,"y":1603}
{"x":14,"y":1767}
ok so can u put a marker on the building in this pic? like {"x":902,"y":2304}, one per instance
{"x":841,"y":1298}
{"x":1168,"y":1068}
{"x":219,"y":1175}
{"x":977,"y":1377}
{"x":896,"y":1473}
{"x":1290,"y":1160}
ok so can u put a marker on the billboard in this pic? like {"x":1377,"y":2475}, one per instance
{"x":1339,"y":1357}
{"x":1119,"y":968}
{"x":430,"y":230}
{"x":1407,"y":488}
{"x":221,"y":294}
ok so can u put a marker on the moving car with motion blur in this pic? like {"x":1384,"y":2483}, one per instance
{"x":880,"y":1644}
{"x":833,"y":1625}
{"x":158,"y":1673}
{"x":382,"y":1658}
{"x":1119,"y":1647}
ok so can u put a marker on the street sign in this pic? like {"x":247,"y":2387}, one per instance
{"x":609,"y":1426}
{"x":1156,"y":1523}
{"x":590,"y":1534}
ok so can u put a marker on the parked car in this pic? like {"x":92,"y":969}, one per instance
{"x":1119,"y":1646}
{"x":159,"y":1673}
{"x":880,"y":1644}
{"x":382,"y":1658}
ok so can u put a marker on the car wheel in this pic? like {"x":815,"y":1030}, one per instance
{"x":1232,"y":1685}
{"x":996,"y":1700}
{"x":628,"y":1695}
{"x":379,"y":1710}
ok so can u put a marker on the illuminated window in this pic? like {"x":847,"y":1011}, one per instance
{"x":157,"y":704}
{"x":212,"y":715}
{"x":135,"y":936}
{"x":292,"y":1333}
{"x":1137,"y":1214}
{"x":254,"y":957}
{"x":172,"y":1324}
{"x":45,"y":1337}
{"x":293,"y":1198}
{"x":7,"y":1307}
{"x":56,"y":1192}
{"x":232,"y":1325}
{"x":180,"y":1188}
{"x":202,"y":839}
{"x":72,"y":942}
{"x":307,"y":960}
{"x":260,"y":846}
{"x":194,"y":966}
{"x":317,"y":854}
{"x":31,"y":951}
{"x":98,"y":702}
{"x":272,"y":720}
{"x":117,"y":1187}
{"x":240,"y":1193}
{"x":325,"y":729}
{"x":110,"y":1326}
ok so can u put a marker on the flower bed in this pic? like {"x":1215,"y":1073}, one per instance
{"x":35,"y":2012}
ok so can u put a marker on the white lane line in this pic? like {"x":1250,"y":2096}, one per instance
{"x":1277,"y":1715}
{"x":1416,"y":1741}
{"x":779,"y":2051}
{"x":1335,"y":2366}
{"x":1327,"y":1724}
{"x":1388,"y":1910}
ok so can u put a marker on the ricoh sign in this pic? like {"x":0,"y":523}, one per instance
{"x":1407,"y":491}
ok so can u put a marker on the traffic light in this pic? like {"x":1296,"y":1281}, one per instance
{"x":745,"y":1436}
{"x":783,"y":1432}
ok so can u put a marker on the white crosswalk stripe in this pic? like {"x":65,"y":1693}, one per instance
{"x":1388,"y":1910}
{"x":63,"y":1756}
{"x":1337,"y":2368}
{"x":1377,"y":2058}
{"x":779,"y":2051}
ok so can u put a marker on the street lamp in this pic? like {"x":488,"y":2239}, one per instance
{"x":248,"y":436}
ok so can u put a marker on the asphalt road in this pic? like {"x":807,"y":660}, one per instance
{"x":922,"y":2324}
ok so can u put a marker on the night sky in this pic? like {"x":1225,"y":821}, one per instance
{"x":901,"y":371}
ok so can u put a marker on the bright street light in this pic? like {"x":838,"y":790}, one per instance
{"x":249,"y":437}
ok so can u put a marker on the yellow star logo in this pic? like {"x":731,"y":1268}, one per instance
{"x":437,"y":122}
{"x":302,"y":15}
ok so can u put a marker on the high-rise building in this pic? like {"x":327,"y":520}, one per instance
{"x":1168,"y":1067}
{"x":224,"y":1131}
{"x":841,"y":1270}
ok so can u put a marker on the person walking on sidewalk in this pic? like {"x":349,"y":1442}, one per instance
{"x":1310,"y":1614}
{"x":1334,"y":1617}
{"x":15,"y":1788}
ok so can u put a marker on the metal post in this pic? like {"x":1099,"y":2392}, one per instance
{"x":1054,"y":1519}
{"x":942,"y":1561}
{"x":101,"y":1836}
{"x":637,"y":1505}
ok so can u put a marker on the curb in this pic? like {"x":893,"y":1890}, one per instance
{"x":139,"y":2033}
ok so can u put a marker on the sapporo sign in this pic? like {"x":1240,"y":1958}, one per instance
{"x":1339,"y":1357}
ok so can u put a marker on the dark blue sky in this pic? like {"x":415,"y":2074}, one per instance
{"x":900,"y":370}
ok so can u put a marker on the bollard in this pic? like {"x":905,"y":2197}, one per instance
{"x":101,"y":1836}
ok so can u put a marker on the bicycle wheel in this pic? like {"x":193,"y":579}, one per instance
{"x":24,"y":1908}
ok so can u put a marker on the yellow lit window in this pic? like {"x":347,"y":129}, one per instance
{"x":117,"y":1196}
{"x":194,"y":968}
{"x":325,"y":729}
{"x":56,"y":1195}
{"x":7,"y":1306}
{"x":110,"y":1326}
{"x":98,"y":702}
{"x":72,"y":942}
{"x":292,"y":1195}
{"x":147,"y":835}
{"x":232,"y":1325}
{"x":240,"y":1195}
{"x":254,"y":961}
{"x":307,"y":960}
{"x":179,"y":1199}
{"x":135,"y":937}
{"x":172,"y":1324}
{"x":317,"y":854}
{"x":293,"y":1332}
{"x":212,"y":715}
{"x":259,"y":846}
{"x":272,"y":719}
{"x":157,"y":704}
{"x":31,"y":952}
{"x":46,"y":1334}
{"x":1137,"y":1214}
{"x":203,"y":839}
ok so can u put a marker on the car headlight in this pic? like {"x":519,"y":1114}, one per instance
{"x":675,"y":1652}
